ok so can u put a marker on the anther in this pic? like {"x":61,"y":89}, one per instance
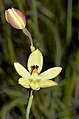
{"x":34,"y":69}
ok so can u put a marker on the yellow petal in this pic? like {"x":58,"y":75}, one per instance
{"x":21,"y":70}
{"x":24,"y":82}
{"x":35,"y":58}
{"x":47,"y":83}
{"x":6,"y":15}
{"x":50,"y":73}
{"x":35,"y":86}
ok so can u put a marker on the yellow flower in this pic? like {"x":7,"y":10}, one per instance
{"x":15,"y":18}
{"x":34,"y":79}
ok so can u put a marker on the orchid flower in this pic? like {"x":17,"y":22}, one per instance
{"x":33,"y":78}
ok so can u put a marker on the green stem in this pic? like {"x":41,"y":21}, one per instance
{"x":27,"y":33}
{"x":29,"y":104}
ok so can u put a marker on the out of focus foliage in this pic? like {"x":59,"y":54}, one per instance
{"x":54,"y":26}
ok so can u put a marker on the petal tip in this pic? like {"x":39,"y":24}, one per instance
{"x":55,"y":84}
{"x":60,"y":68}
{"x":15,"y":63}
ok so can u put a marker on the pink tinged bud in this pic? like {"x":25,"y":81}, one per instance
{"x":15,"y":18}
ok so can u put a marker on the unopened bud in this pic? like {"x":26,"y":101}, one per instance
{"x":15,"y":18}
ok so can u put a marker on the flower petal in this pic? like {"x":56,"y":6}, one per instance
{"x":50,"y":73}
{"x":24,"y":82}
{"x":21,"y":70}
{"x":35,"y":58}
{"x":47,"y":83}
{"x":35,"y":86}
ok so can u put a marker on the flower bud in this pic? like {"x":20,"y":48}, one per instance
{"x":15,"y":18}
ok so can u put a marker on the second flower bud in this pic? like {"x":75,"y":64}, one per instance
{"x":15,"y":18}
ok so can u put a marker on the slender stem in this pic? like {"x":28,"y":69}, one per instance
{"x":27,"y":33}
{"x":29,"y":104}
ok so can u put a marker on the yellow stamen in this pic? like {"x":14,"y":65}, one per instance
{"x":35,"y":71}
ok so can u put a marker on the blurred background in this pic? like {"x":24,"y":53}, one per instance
{"x":54,"y":26}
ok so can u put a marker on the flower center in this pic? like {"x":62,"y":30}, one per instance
{"x":34,"y":74}
{"x":34,"y":69}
